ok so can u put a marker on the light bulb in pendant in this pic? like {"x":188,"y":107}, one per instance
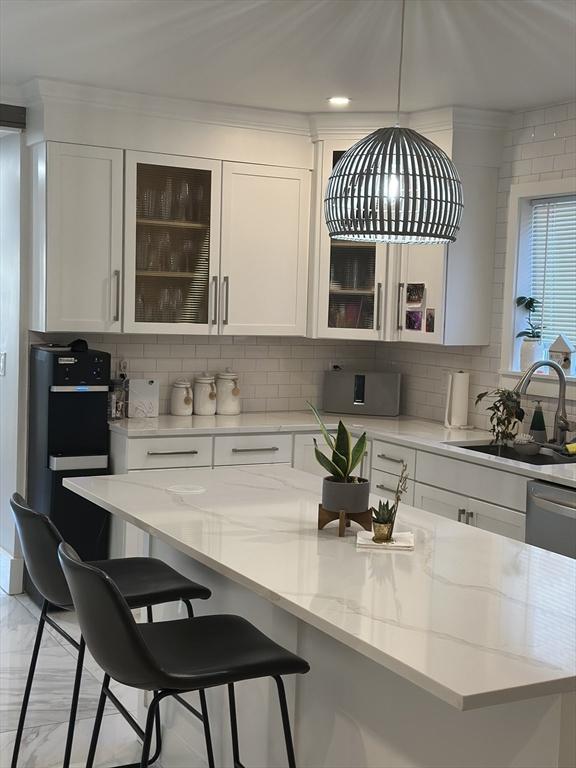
{"x":393,"y":187}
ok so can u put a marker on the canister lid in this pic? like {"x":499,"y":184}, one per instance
{"x":182,"y":383}
{"x":228,"y":375}
{"x":205,"y":378}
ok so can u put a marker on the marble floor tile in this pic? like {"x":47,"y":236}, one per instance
{"x":42,"y":747}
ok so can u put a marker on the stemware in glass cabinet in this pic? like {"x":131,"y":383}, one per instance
{"x":172,"y":244}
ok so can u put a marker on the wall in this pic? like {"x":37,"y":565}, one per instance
{"x":539,"y":145}
{"x":276,"y":374}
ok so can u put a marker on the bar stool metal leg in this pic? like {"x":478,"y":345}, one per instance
{"x":74,"y":705}
{"x":150,"y":617}
{"x":206,"y":724}
{"x":150,"y":720}
{"x":97,"y":723}
{"x":286,"y":723}
{"x":234,"y":727}
{"x":28,"y":688}
{"x":189,"y":608}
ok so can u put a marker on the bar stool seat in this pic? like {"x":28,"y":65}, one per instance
{"x":214,"y":650}
{"x":147,"y":581}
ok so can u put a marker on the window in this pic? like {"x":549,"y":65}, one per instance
{"x":552,"y":271}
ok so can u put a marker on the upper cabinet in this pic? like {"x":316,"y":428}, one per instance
{"x":351,"y":287}
{"x":171,"y":240}
{"x":264,"y":257}
{"x":76,"y":238}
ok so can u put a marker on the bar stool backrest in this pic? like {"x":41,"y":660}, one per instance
{"x":39,"y":540}
{"x":107,"y":624}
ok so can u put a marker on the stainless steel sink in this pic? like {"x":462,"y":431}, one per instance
{"x":504,"y":452}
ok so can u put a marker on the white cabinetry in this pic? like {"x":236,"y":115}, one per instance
{"x":489,"y":517}
{"x":264,"y":261}
{"x":172,"y":243}
{"x":252,"y":449}
{"x":77,"y":238}
{"x":384,"y":484}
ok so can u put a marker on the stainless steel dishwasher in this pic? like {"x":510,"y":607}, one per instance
{"x":551,"y":517}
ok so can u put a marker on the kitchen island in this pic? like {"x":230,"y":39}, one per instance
{"x":399,"y":643}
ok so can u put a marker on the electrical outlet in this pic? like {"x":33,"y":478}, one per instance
{"x":335,"y":365}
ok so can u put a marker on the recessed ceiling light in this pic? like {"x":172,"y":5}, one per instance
{"x":339,"y":101}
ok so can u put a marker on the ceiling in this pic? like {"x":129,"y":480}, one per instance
{"x":293,"y":54}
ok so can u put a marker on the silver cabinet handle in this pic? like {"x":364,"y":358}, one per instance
{"x":383,"y":487}
{"x":461,"y":513}
{"x":390,"y":458}
{"x":226,"y":287}
{"x":399,"y":325}
{"x":469,"y":516}
{"x":116,"y":276}
{"x":215,"y":300}
{"x":172,"y":453}
{"x":255,"y":450}
{"x":379,"y":306}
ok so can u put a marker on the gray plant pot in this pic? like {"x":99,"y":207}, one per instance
{"x":351,"y":497}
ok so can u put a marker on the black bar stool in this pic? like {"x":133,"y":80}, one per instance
{"x":143,"y":582}
{"x":172,"y":657}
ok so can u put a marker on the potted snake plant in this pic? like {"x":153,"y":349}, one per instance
{"x":341,"y":489}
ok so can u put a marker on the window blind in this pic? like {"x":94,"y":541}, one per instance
{"x":553,"y":266}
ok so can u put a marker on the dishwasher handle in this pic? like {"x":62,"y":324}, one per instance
{"x":565,"y":508}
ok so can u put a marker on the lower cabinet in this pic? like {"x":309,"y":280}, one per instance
{"x":462,"y":509}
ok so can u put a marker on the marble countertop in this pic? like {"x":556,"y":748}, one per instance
{"x":473,"y":618}
{"x":424,"y":435}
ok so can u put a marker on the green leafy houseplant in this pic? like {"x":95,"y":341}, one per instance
{"x":506,"y":414}
{"x":529,"y":303}
{"x":345,"y":456}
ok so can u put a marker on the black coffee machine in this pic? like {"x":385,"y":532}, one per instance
{"x":68,"y":437}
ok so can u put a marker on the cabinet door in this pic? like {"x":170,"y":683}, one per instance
{"x":384,"y":484}
{"x":83,"y":238}
{"x":264,"y":263}
{"x":444,"y":503}
{"x":172,"y":231}
{"x":421,"y":294}
{"x":352,"y":277}
{"x":491,"y":517}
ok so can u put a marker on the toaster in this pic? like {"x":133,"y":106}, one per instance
{"x":370,"y":393}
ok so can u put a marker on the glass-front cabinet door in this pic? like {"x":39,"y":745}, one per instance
{"x":172,"y":222}
{"x":352,"y":299}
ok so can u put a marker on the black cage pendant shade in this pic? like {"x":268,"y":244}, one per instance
{"x":394,"y":186}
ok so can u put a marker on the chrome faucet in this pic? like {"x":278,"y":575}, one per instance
{"x":561,"y":423}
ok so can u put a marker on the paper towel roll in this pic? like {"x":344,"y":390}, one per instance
{"x":457,"y":399}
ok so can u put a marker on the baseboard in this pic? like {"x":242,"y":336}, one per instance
{"x":11,"y":573}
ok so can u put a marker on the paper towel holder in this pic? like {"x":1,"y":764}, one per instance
{"x":448,"y":415}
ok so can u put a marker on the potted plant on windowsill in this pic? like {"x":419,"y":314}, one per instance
{"x":384,"y":517}
{"x":341,"y":490}
{"x":531,"y":349}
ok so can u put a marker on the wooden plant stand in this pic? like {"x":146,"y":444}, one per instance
{"x":344,"y":518}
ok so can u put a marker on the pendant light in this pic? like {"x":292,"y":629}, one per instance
{"x":394,"y":186}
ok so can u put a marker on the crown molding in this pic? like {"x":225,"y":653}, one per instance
{"x":47,"y":91}
{"x":345,"y":125}
{"x":12,"y":94}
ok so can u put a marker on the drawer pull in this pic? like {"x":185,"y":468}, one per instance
{"x":172,"y":453}
{"x":386,"y":488}
{"x":255,"y":450}
{"x":461,"y":513}
{"x":390,"y":458}
{"x":469,"y":516}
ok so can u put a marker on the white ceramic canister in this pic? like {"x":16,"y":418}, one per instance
{"x":204,"y":395}
{"x":227,"y":393}
{"x":181,"y":399}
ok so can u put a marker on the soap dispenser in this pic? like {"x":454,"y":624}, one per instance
{"x":537,"y":425}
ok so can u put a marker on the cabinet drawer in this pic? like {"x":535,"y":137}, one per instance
{"x":444,"y":503}
{"x":491,"y":517}
{"x":388,"y":457}
{"x":384,"y":484}
{"x":492,"y":485}
{"x":169,"y":452}
{"x":252,"y":449}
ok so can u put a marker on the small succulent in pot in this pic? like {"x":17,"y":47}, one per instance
{"x":384,"y":517}
{"x":341,"y":489}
